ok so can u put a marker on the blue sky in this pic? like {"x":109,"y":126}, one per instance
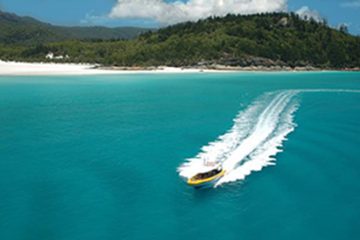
{"x":96,"y":12}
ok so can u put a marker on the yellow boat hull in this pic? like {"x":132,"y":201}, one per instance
{"x":206,"y":181}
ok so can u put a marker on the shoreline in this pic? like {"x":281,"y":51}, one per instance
{"x":68,"y":69}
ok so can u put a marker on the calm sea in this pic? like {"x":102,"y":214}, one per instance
{"x":102,"y":157}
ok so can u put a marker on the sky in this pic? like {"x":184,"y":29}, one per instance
{"x":155,"y":13}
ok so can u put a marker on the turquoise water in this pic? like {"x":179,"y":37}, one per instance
{"x":97,"y":157}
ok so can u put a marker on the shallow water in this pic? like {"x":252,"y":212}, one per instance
{"x":98,"y":157}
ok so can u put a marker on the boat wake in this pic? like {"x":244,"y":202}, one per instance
{"x":256,"y":137}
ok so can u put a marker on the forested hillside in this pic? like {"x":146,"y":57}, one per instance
{"x":29,"y":31}
{"x":276,"y":39}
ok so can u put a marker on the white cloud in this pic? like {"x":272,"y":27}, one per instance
{"x":306,"y":13}
{"x":192,"y":10}
{"x":343,"y":26}
{"x":351,"y":4}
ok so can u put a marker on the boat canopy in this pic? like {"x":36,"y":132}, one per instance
{"x":206,"y":175}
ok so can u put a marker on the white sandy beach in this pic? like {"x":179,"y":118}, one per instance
{"x":58,"y":69}
{"x":45,"y":69}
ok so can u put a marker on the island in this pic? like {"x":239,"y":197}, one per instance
{"x":258,"y":42}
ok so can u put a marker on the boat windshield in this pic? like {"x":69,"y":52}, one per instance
{"x":207,"y":174}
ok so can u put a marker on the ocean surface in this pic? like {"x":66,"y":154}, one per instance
{"x":105,"y":157}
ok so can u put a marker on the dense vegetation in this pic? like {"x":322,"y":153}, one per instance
{"x":262,"y":39}
{"x":29,"y":31}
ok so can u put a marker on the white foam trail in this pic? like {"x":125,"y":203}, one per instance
{"x":262,"y":156}
{"x":251,"y":128}
{"x":255,"y":138}
{"x":225,"y":144}
{"x":267,"y":122}
{"x":326,"y":90}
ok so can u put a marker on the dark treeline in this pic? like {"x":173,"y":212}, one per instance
{"x":275,"y":39}
{"x":29,"y":31}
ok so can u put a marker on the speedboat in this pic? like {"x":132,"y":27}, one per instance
{"x":206,"y":179}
